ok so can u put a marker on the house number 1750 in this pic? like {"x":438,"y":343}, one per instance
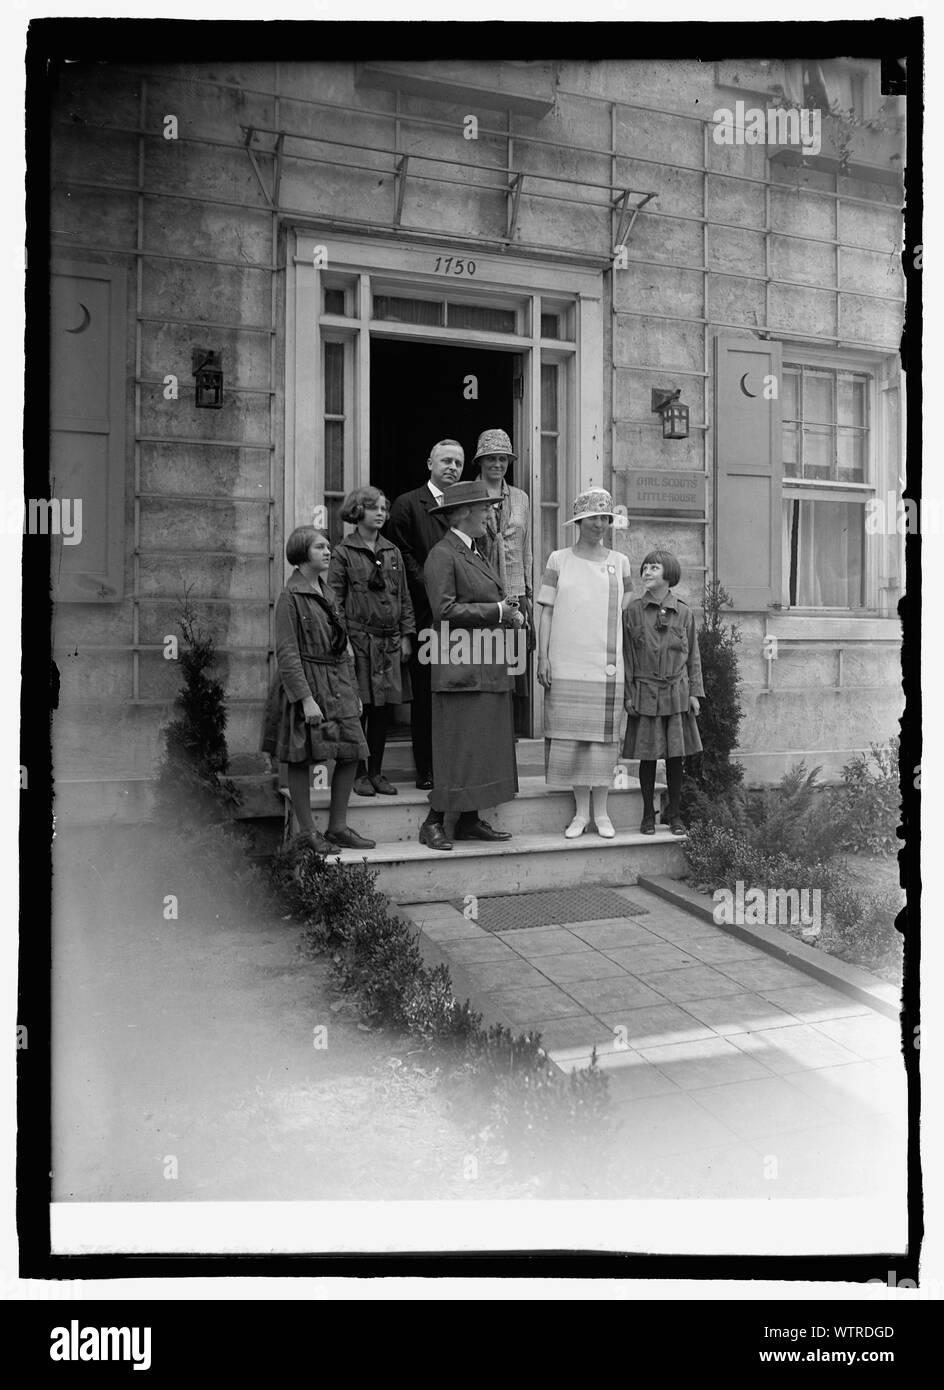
{"x":454,"y":265}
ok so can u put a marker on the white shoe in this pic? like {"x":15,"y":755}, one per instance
{"x":576,"y":828}
{"x":605,"y":827}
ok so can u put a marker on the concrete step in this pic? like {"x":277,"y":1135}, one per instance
{"x":536,"y":810}
{"x":409,"y":872}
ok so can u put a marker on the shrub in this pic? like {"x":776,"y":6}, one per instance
{"x":718,"y":857}
{"x":192,"y":787}
{"x":796,"y":818}
{"x":871,"y":800}
{"x":712,"y":773}
{"x":861,"y":928}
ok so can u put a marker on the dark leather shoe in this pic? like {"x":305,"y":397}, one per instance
{"x":480,"y":830}
{"x":676,"y":827}
{"x":349,"y":839}
{"x":425,"y":784}
{"x":434,"y":836}
{"x":310,"y":839}
{"x":364,"y":787}
{"x":382,"y":786}
{"x":647,"y":825}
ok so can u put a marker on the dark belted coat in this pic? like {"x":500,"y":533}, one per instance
{"x":376,"y":617}
{"x":313,"y":659}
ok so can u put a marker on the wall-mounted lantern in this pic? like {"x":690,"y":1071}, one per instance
{"x":674,"y":413}
{"x":208,"y":378}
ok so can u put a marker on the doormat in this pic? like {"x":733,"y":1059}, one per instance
{"x":554,"y":907}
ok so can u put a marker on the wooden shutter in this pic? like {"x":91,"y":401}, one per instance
{"x":87,"y":426}
{"x":748,"y":471}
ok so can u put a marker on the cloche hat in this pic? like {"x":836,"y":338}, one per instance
{"x":494,"y":442}
{"x":596,"y":502}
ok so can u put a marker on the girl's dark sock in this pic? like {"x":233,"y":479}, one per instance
{"x":647,"y":785}
{"x":673,"y":776}
{"x":375,"y":729}
{"x":299,"y":787}
{"x":342,"y":782}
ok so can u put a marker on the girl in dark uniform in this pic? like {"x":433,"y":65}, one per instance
{"x":663,"y":685}
{"x":368,"y":578}
{"x":317,"y":714}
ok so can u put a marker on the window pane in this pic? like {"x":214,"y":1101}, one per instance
{"x":478,"y":316}
{"x":791,"y":449}
{"x":549,"y":396}
{"x":549,"y":469}
{"x":334,"y":378}
{"x":550,"y":326}
{"x":424,"y":311}
{"x":852,"y":456}
{"x":334,"y":301}
{"x":790,"y":394}
{"x":853,"y":400}
{"x":334,"y":455}
{"x":819,"y":404}
{"x":817,"y":453}
{"x":549,"y":533}
{"x":829,"y":554}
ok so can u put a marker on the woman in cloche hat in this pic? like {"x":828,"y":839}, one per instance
{"x":580,"y":661}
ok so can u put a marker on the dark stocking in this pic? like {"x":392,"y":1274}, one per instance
{"x":647,"y":785}
{"x":299,"y":787}
{"x":374,"y":719}
{"x":341,"y":784}
{"x":673,"y":776}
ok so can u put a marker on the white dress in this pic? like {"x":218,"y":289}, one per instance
{"x":584,"y":707}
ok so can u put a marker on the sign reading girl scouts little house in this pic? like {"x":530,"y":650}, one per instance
{"x":664,"y":491}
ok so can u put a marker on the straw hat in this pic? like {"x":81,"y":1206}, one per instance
{"x":596,"y":502}
{"x":494,"y":442}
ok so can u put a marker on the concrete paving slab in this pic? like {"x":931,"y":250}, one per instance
{"x":694,"y":982}
{"x":531,"y":1005}
{"x":738,"y":1013}
{"x":570,"y":1031}
{"x":847,"y":1160}
{"x":707,"y":1062}
{"x":869,"y":1037}
{"x":655,"y":1024}
{"x":764,"y":1106}
{"x":511,"y":973}
{"x":858,"y":1091}
{"x":531,"y":942}
{"x":814,"y":1002}
{"x":472,"y":949}
{"x":640,"y":959}
{"x":762,"y":974}
{"x":712,"y":950}
{"x":673,"y":1123}
{"x":799,"y":1047}
{"x":602,"y":997}
{"x":579,"y":965}
{"x":615,"y":933}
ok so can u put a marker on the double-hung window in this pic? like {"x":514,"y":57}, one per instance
{"x":828,"y":478}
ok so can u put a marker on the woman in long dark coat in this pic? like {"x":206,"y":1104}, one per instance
{"x":368,"y":578}
{"x":315,"y":714}
{"x":469,"y":653}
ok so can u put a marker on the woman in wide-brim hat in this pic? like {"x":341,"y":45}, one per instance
{"x":583,"y":591}
{"x":473,"y":732}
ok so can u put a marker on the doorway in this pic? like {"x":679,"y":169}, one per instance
{"x":418,"y":395}
{"x":421,"y":393}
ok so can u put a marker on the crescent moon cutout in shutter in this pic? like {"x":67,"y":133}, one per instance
{"x":86,"y":320}
{"x":752,"y":394}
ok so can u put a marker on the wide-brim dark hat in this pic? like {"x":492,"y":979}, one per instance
{"x":463,"y":495}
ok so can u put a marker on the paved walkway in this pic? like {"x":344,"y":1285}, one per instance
{"x":732,"y":1074}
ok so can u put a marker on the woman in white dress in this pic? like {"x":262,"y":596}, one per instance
{"x":580,"y":661}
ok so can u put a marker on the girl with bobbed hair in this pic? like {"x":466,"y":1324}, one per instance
{"x":313,"y":713}
{"x":368,"y":578}
{"x":663,"y":685}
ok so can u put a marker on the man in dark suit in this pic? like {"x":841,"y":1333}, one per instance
{"x":414,"y":527}
{"x":476,"y":632}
